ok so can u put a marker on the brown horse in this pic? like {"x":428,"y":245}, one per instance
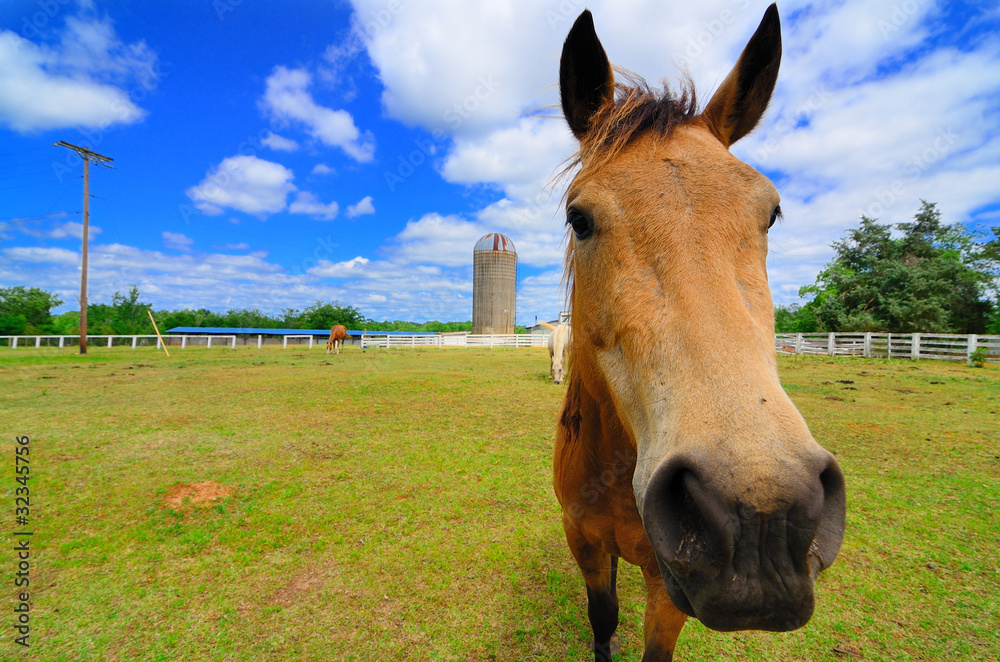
{"x":677,"y":449}
{"x":338,"y":335}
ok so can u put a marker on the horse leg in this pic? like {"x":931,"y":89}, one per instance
{"x":600,"y":573}
{"x":663,"y":622}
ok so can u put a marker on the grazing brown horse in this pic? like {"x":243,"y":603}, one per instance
{"x":338,"y":335}
{"x":677,"y":449}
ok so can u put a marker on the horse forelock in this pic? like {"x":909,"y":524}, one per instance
{"x":634,"y":109}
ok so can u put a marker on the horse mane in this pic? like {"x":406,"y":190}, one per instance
{"x":634,"y":109}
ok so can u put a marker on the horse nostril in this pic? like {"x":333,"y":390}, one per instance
{"x":687,"y":523}
{"x":832,"y":519}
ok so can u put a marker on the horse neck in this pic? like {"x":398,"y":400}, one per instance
{"x":596,"y":428}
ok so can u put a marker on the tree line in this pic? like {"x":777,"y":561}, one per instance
{"x":918,"y":277}
{"x":28,"y":311}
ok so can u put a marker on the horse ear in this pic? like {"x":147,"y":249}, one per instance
{"x":742,"y":98}
{"x":585,"y":78}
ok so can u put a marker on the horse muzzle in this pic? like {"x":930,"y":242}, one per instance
{"x":733,"y":566}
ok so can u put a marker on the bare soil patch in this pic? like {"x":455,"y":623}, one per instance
{"x":201,"y":494}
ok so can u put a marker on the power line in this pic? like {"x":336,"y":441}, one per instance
{"x":30,"y":173}
{"x":18,"y":165}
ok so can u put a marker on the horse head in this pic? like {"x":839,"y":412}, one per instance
{"x":674,"y":327}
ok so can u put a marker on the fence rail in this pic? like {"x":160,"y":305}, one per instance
{"x":915,"y":346}
{"x":457,"y":340}
{"x":115,"y":341}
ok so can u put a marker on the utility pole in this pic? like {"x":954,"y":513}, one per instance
{"x":100,"y":159}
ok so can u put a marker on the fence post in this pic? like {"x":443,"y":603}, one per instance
{"x":14,"y":343}
{"x":259,"y":339}
{"x":888,"y":345}
{"x":38,"y":342}
{"x":798,"y":343}
{"x":234,"y":341}
{"x":209,"y":343}
{"x":971,"y":347}
{"x":110,"y":338}
{"x":62,"y":340}
{"x":915,"y":347}
{"x":284,"y":342}
{"x":135,"y":340}
{"x":310,"y":342}
{"x":867,"y":348}
{"x":831,"y":343}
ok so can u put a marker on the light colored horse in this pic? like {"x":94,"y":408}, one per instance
{"x":677,"y":449}
{"x":558,"y":349}
{"x":338,"y":335}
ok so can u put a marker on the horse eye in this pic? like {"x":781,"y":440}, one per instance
{"x":775,"y":215}
{"x":583,"y":226}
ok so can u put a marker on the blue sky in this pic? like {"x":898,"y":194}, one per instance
{"x":271,"y":154}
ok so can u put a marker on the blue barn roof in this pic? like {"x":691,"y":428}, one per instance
{"x":230,"y":331}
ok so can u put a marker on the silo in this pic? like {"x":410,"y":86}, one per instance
{"x":494,"y":285}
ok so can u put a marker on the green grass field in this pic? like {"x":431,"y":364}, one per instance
{"x":397,"y":505}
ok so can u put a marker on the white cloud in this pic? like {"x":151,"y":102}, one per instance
{"x":36,"y":255}
{"x":244,"y":183}
{"x":279,"y":143}
{"x":34,"y":227}
{"x":287,"y":95}
{"x":81,"y":81}
{"x":322,"y":169}
{"x":306,"y":203}
{"x":177,"y":241}
{"x":437,"y":239}
{"x":458,"y":66}
{"x":364,"y":206}
{"x":74,"y":230}
{"x":353,"y":268}
{"x":521,"y":159}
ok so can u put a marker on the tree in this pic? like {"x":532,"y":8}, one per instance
{"x":932,"y":278}
{"x":795,"y":319}
{"x":327,"y":315}
{"x":129,"y":316}
{"x":26,"y":309}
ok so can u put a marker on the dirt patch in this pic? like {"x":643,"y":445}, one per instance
{"x":195,"y":494}
{"x":301,"y":585}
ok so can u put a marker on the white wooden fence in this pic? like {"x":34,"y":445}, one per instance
{"x":456,"y":340}
{"x":890,"y":345}
{"x":114,"y":341}
{"x":869,"y":345}
{"x":391,"y":341}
